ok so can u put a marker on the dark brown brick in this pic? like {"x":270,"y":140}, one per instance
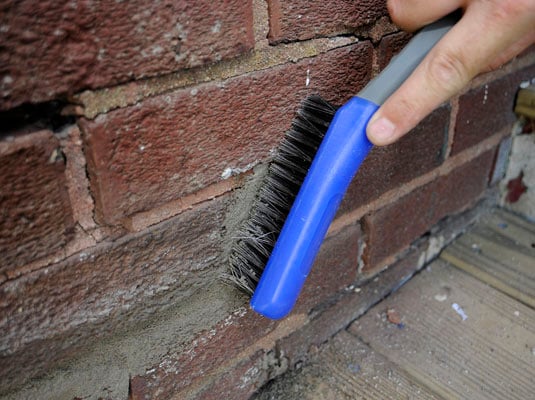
{"x":35,"y":215}
{"x":487,"y":110}
{"x":389,"y":46}
{"x":389,"y":167}
{"x":56,"y":47}
{"x":300,"y":20}
{"x":168,"y":146}
{"x":397,"y":225}
{"x":92,"y":294}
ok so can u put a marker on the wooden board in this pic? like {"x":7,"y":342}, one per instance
{"x":488,"y":355}
{"x":499,"y":250}
{"x":346,"y":369}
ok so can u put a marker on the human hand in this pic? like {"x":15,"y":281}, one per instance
{"x":489,"y":34}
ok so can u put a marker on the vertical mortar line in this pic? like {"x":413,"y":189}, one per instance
{"x":363,"y":244}
{"x":375,"y":58}
{"x":96,"y":233}
{"x":451,"y":126}
{"x":362,"y":247}
{"x":260,"y":23}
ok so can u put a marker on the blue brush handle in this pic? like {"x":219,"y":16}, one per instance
{"x":339,"y":156}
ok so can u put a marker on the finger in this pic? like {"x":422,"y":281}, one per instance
{"x":411,"y":15}
{"x":444,"y":72}
{"x":513,"y":50}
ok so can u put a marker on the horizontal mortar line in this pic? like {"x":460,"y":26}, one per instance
{"x":134,"y":224}
{"x":393,"y":195}
{"x":104,"y":100}
{"x":266,"y":343}
{"x":144,"y":219}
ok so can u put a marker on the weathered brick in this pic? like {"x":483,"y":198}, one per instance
{"x":300,"y":20}
{"x":487,"y":110}
{"x":389,"y":167}
{"x":106,"y":287}
{"x":395,"y":226}
{"x":35,"y":215}
{"x":389,"y":46}
{"x":238,"y":339}
{"x":335,"y":268}
{"x":244,"y":378}
{"x":171,"y":145}
{"x":240,"y":350}
{"x":57,"y":47}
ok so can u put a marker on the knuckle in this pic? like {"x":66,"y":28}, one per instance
{"x":448,"y":72}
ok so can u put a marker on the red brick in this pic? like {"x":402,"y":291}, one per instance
{"x":172,"y":145}
{"x":240,"y":381}
{"x":335,"y":268}
{"x":389,"y":167}
{"x":236,"y":350}
{"x":35,"y":217}
{"x":220,"y":351}
{"x":56,"y":47}
{"x":394,"y":227}
{"x":487,"y":110}
{"x":92,"y":294}
{"x":300,"y":20}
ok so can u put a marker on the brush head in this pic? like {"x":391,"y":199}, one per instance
{"x":256,"y":238}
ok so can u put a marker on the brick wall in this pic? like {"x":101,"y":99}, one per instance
{"x":132,"y":139}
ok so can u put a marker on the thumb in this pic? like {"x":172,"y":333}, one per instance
{"x":442,"y":73}
{"x":448,"y":67}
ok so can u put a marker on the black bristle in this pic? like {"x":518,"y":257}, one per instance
{"x":286,"y":173}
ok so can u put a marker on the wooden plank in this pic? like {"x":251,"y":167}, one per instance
{"x":499,"y":251}
{"x":512,"y":226}
{"x":345,"y":368}
{"x":489,"y":355}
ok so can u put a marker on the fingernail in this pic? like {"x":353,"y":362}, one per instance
{"x":381,"y":130}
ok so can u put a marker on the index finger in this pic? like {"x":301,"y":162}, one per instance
{"x":411,"y":15}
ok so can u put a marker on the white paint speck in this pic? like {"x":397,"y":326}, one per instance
{"x":216,"y":28}
{"x":524,"y":84}
{"x":194,"y":91}
{"x":486,"y":94}
{"x":517,"y":313}
{"x":227,"y":173}
{"x":441,"y":297}
{"x":157,"y":50}
{"x":307,"y":82}
{"x":7,"y":80}
{"x":141,"y":147}
{"x":459,"y":311}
